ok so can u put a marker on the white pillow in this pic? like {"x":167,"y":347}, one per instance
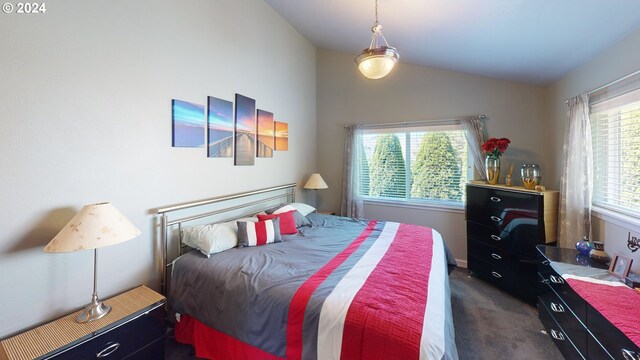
{"x":284,"y":209}
{"x":304,"y":209}
{"x":213,"y":238}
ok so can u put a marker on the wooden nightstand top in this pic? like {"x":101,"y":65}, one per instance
{"x":64,"y":331}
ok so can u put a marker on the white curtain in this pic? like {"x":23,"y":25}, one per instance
{"x":351,"y":203}
{"x":576,"y":183}
{"x":474,"y":133}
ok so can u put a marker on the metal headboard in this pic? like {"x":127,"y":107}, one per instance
{"x":282,"y":193}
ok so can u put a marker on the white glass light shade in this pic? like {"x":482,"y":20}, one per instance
{"x":377,"y":63}
{"x":316,"y":182}
{"x":94,"y":226}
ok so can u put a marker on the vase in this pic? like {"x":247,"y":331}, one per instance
{"x":492,"y":166}
{"x":530,"y":176}
{"x":584,"y":246}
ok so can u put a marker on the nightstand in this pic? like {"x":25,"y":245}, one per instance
{"x":134,"y":329}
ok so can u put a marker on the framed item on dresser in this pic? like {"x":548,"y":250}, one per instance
{"x":620,"y":266}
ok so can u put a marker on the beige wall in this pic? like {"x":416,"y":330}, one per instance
{"x":411,"y":93}
{"x":614,"y":63}
{"x":85,"y":116}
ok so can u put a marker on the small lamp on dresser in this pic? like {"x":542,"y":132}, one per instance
{"x":95,"y":226}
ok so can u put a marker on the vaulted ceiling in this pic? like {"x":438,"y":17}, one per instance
{"x":522,"y":40}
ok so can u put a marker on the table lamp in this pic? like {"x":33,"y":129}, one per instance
{"x":95,"y":226}
{"x":316,"y":182}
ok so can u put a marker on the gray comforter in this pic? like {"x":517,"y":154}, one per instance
{"x":246,"y":292}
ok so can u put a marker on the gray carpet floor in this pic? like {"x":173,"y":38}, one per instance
{"x":489,"y":325}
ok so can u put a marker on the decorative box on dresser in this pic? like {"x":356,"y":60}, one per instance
{"x":134,"y":329}
{"x":504,"y":225}
{"x":578,"y":328}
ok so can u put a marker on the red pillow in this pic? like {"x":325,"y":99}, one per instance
{"x":287,"y":221}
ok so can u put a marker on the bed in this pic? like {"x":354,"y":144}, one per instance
{"x":338,"y":288}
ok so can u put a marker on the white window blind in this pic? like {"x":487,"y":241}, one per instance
{"x":417,"y":163}
{"x":615,"y":125}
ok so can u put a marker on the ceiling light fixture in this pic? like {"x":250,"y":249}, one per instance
{"x":377,"y":61}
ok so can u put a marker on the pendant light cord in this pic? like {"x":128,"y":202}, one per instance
{"x":376,"y":11}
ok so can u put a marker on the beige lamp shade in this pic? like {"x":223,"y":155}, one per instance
{"x":316,"y":182}
{"x":95,"y":226}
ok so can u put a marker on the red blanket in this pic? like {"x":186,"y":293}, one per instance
{"x":618,"y":304}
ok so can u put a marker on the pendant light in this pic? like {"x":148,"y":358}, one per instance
{"x":378,"y":60}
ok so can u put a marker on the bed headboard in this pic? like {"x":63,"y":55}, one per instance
{"x":217,"y":209}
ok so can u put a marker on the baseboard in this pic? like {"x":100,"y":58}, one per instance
{"x":462,"y":263}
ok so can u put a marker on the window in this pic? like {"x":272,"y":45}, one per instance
{"x":615,"y":128}
{"x":417,"y":163}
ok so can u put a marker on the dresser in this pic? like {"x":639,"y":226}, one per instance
{"x":504,"y":226}
{"x":578,"y":329}
{"x":133,"y":330}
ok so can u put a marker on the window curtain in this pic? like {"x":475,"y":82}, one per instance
{"x":474,"y":133}
{"x":576,"y":183}
{"x":351,"y":203}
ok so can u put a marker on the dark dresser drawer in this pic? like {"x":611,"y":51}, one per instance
{"x":573,"y":301}
{"x":488,"y":253}
{"x":155,"y":350}
{"x":502,"y":219}
{"x":560,"y":338}
{"x":614,"y":341}
{"x":501,"y":199}
{"x":124,"y":340}
{"x":595,"y":350}
{"x":522,"y":240}
{"x":563,"y":315}
{"x":511,"y":274}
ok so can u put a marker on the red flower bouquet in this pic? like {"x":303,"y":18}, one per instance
{"x":495,"y":147}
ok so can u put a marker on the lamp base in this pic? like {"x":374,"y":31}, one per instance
{"x":93,"y":311}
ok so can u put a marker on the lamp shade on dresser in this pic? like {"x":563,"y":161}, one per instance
{"x":504,"y":225}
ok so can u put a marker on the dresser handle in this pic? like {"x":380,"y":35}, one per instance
{"x":495,"y":274}
{"x":630,"y":355}
{"x":496,"y":237}
{"x":496,"y":256}
{"x":496,"y":219}
{"x":557,"y":335}
{"x":546,"y":262}
{"x":556,"y":279}
{"x":557,"y":307}
{"x":495,"y":199}
{"x":108,"y":350}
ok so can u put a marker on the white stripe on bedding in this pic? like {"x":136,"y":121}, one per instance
{"x":252,"y":238}
{"x":335,"y":307}
{"x":270,"y":231}
{"x":592,"y":280}
{"x":433,"y":326}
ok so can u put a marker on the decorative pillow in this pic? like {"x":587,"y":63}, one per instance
{"x":303,"y":208}
{"x":248,"y":219}
{"x":300,"y":219}
{"x":258,"y":233}
{"x":211,"y":239}
{"x":287,"y":221}
{"x":282,"y":209}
